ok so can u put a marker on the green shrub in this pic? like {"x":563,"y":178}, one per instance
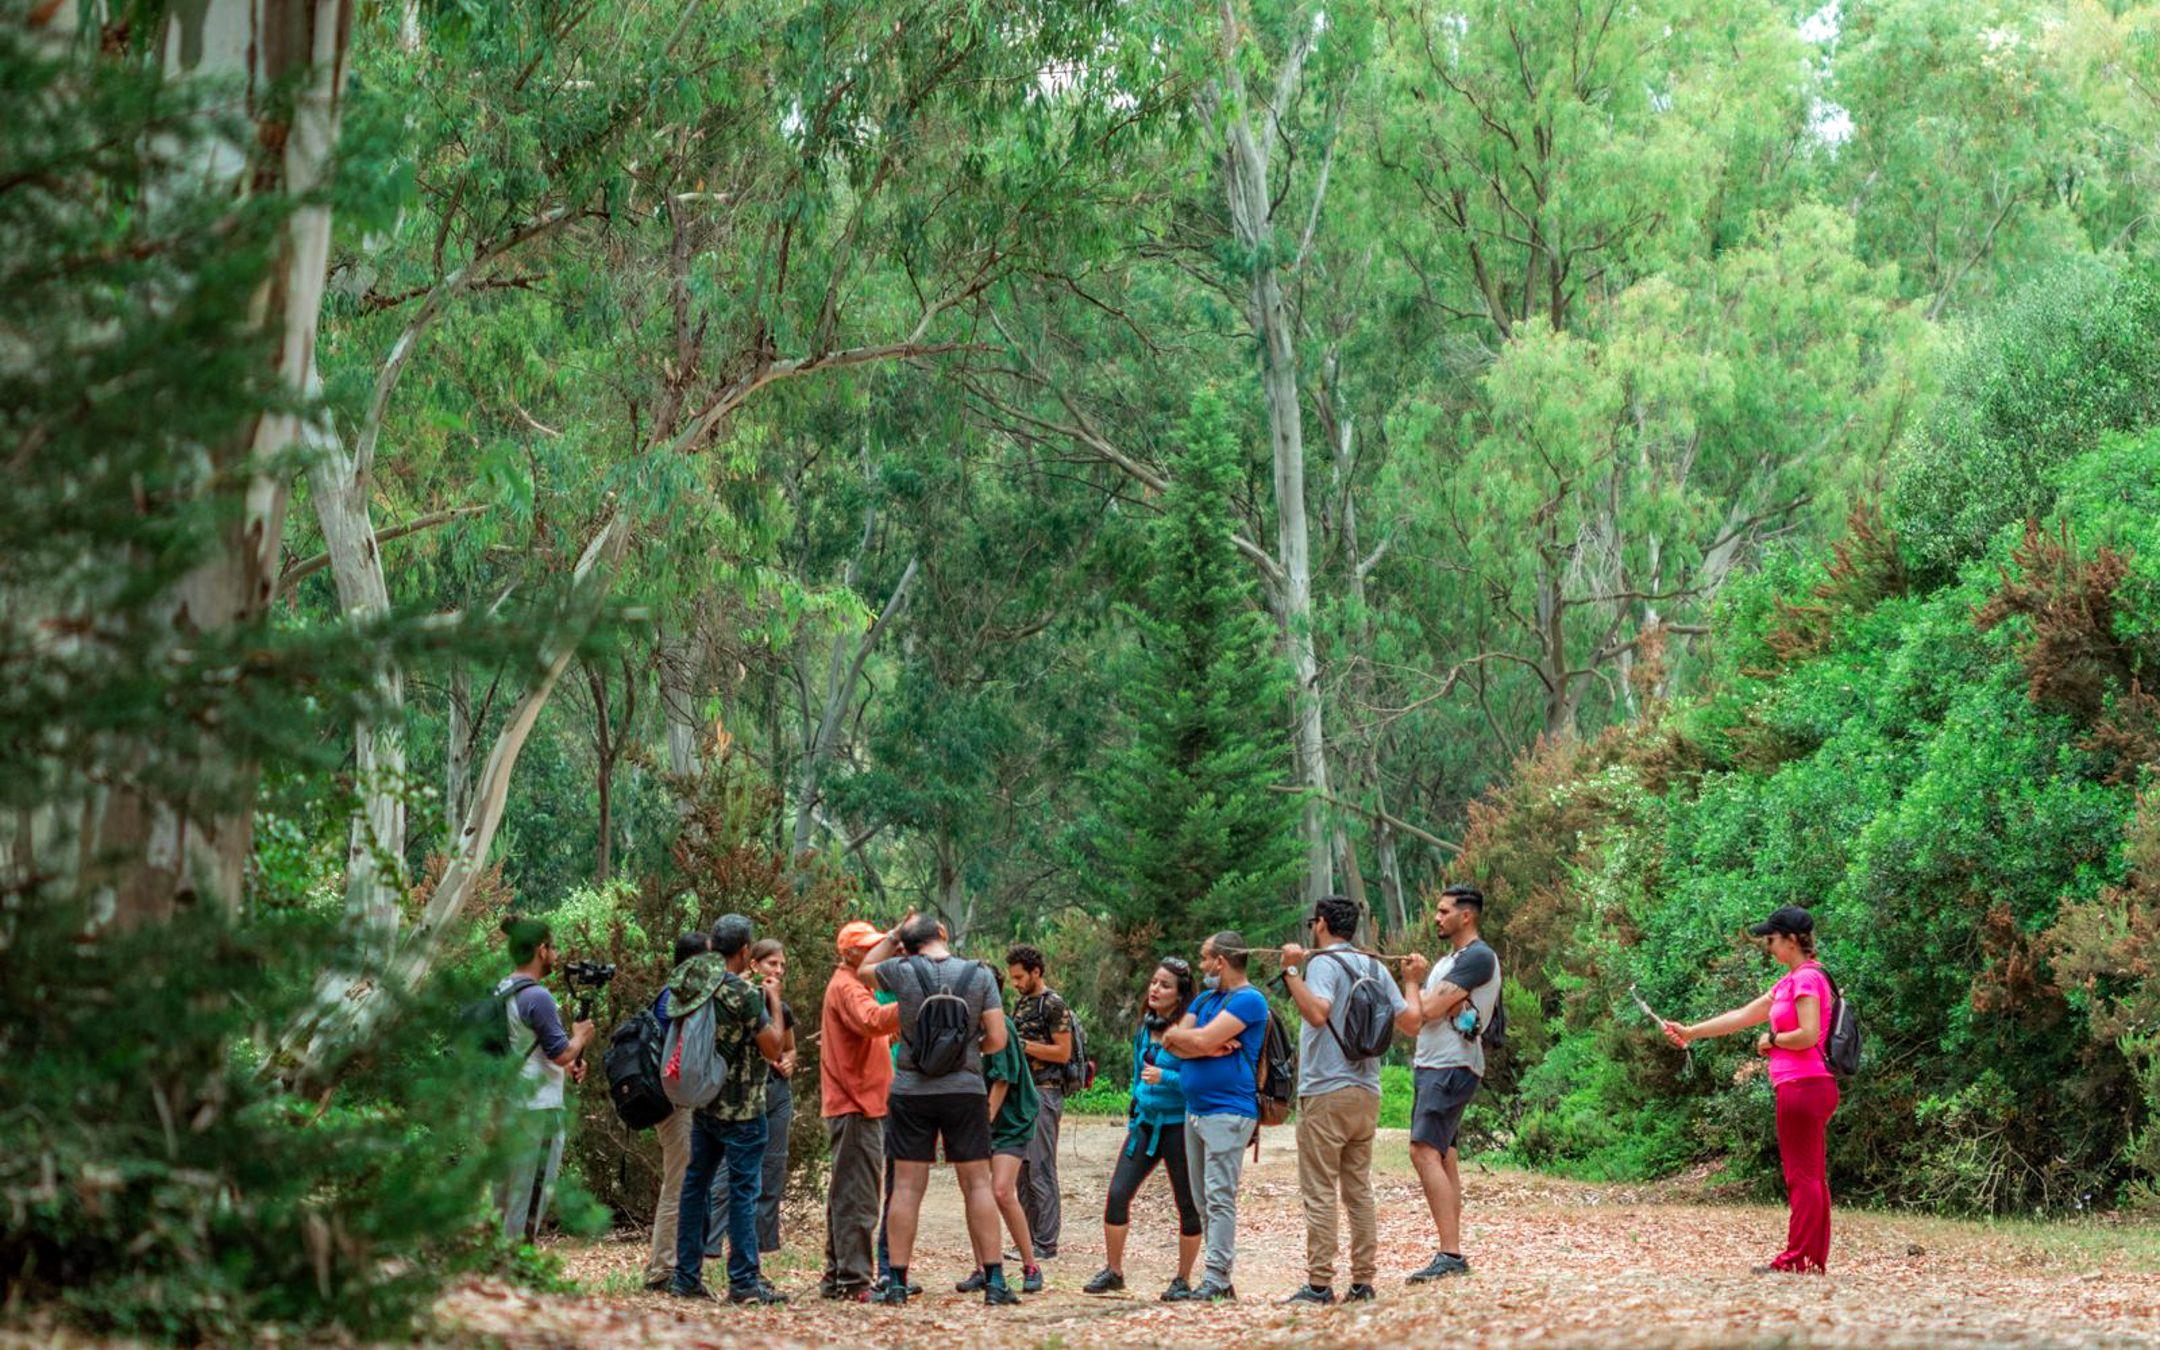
{"x":2067,"y":359}
{"x":153,"y":1185}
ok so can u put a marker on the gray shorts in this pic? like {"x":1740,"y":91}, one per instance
{"x":1436,"y":1111}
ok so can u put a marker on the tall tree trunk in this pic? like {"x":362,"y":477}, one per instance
{"x":346,"y":1007}
{"x":375,"y":853}
{"x":156,"y":853}
{"x":678,"y":709}
{"x":1245,"y":181}
{"x":840,"y":683}
{"x":457,"y":754}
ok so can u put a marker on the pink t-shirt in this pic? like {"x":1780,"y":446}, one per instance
{"x":1789,"y":1065}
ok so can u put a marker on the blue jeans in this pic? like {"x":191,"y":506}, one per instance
{"x":741,"y":1145}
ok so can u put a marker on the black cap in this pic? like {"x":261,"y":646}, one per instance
{"x":1791,"y":920}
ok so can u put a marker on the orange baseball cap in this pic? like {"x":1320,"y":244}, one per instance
{"x":856,"y":935}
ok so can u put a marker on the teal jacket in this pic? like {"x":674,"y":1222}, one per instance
{"x":1154,"y":1105}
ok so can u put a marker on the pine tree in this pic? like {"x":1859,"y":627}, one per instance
{"x":1188,"y":834}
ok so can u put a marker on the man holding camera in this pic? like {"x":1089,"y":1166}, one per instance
{"x":1450,"y":1006}
{"x":549,"y":1055}
{"x":729,"y":1130}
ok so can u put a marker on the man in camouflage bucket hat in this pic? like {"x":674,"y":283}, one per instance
{"x":731,"y":1128}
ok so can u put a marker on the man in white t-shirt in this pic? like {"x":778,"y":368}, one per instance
{"x":1452,"y":1003}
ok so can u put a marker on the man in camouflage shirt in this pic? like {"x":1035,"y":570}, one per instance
{"x":729,"y":1130}
{"x":1045,"y":1028}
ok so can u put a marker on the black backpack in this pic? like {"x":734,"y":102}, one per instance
{"x":944,"y":1024}
{"x":1841,"y":1044}
{"x":486,"y":1023}
{"x":1078,"y":1073}
{"x":1277,"y":1081}
{"x":633,"y":1072}
{"x":1366,"y":1011}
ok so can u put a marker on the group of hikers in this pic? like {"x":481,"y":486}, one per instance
{"x":928,"y":1055}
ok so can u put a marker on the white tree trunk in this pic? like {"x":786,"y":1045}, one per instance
{"x":375,"y":876}
{"x":347,"y":1006}
{"x":1245,"y":179}
{"x":157,"y":853}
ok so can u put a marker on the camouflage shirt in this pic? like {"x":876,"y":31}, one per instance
{"x":738,"y":1015}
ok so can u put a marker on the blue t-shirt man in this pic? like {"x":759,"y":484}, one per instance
{"x":1227,"y":1085}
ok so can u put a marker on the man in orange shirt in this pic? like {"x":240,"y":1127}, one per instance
{"x":857,"y":1072}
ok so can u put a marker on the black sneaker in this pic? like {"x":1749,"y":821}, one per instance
{"x":1106,"y":1281}
{"x":891,"y":1295}
{"x":1360,"y":1293}
{"x":1031,"y":1280}
{"x":1211,"y":1292}
{"x":1178,"y":1292}
{"x":760,"y":1293}
{"x":1312,"y":1293}
{"x":999,"y":1296}
{"x":698,"y":1292}
{"x":972,"y":1283}
{"x":659,"y":1286}
{"x":1442,"y":1266}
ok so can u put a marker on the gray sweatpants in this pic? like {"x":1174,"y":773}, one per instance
{"x":1215,"y":1159}
{"x":1039,"y":1175}
{"x":528,"y":1188}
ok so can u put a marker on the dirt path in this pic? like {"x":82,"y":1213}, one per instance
{"x":1557,"y":1263}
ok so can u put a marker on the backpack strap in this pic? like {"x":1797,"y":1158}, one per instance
{"x":518,"y":986}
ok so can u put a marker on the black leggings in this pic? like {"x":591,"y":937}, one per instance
{"x":1133,"y":1166}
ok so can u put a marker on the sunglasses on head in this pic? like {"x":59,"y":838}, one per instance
{"x":1176,"y":965}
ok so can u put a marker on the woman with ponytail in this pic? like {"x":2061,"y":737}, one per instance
{"x":1156,"y":1135}
{"x":1798,"y":1009}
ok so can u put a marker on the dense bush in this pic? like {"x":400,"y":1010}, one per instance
{"x":153,"y":1184}
{"x":1945,"y":776}
{"x":2070,"y":357}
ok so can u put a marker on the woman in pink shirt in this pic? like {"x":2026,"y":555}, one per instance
{"x":1797,"y":1009}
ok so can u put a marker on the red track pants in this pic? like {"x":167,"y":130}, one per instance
{"x":1804,"y":1108}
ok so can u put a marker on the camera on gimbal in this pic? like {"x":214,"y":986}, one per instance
{"x":589,"y":976}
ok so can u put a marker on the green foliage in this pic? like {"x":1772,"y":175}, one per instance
{"x":156,"y":1186}
{"x":1940,"y":805}
{"x":1187,"y":835}
{"x":2071,"y":356}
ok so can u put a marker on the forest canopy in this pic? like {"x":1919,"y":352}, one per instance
{"x":1098,"y":473}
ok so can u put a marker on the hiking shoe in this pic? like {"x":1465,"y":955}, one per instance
{"x":973,"y":1283}
{"x":999,"y":1296}
{"x":1178,"y":1292}
{"x":1031,"y":1280}
{"x":891,"y":1295}
{"x":760,"y":1293}
{"x":1312,"y":1293}
{"x":1106,"y":1281}
{"x":1442,"y":1266}
{"x":692,"y":1291}
{"x":1360,"y":1293}
{"x":1211,"y":1292}
{"x":659,"y":1286}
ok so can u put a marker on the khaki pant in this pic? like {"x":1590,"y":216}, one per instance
{"x":1334,"y":1152}
{"x":674,"y":1161}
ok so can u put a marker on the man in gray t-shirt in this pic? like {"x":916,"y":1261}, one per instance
{"x":1338,"y":1099}
{"x":949,"y":1108}
{"x":1463,"y":988}
{"x":910,"y":980}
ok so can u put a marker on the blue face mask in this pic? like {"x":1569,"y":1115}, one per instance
{"x":1211,"y":982}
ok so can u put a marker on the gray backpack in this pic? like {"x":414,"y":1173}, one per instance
{"x":692,"y":1067}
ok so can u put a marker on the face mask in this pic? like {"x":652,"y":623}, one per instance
{"x":1211,"y":982}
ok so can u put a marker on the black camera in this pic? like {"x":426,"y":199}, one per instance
{"x":588,"y":975}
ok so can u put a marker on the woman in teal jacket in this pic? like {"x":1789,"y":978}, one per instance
{"x":1156,"y":1135}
